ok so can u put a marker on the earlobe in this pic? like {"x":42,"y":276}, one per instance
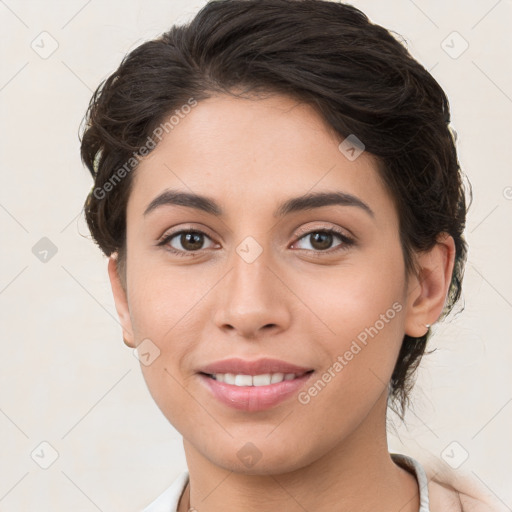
{"x":120,"y":300}
{"x":428,"y":290}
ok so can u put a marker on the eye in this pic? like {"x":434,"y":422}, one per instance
{"x":188,"y":242}
{"x":184,"y":241}
{"x":320,"y":240}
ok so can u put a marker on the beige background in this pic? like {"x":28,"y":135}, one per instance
{"x":67,"y":379}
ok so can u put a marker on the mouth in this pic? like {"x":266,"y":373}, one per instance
{"x":264,"y":379}
{"x":252,"y":386}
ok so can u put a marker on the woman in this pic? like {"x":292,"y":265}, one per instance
{"x":278,"y":192}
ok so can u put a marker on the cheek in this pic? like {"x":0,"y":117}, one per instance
{"x":164,"y":300}
{"x":167,"y":307}
{"x":351,"y":299}
{"x":362,"y":308}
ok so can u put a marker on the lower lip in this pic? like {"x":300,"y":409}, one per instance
{"x":254,"y":398}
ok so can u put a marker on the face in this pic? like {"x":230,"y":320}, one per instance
{"x":320,"y":291}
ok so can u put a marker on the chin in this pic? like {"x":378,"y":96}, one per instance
{"x":259,"y":458}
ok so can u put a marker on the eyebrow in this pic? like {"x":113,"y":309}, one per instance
{"x":295,"y":204}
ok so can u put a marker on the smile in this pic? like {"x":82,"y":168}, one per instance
{"x":252,"y":393}
{"x":242,"y":380}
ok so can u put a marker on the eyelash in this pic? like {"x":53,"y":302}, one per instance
{"x":347,"y":241}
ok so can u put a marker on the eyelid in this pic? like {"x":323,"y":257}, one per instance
{"x":329,"y":227}
{"x":169,"y":235}
{"x":184,"y":227}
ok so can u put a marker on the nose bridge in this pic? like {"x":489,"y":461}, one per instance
{"x":252,"y":295}
{"x":252,"y":254}
{"x":250,"y":278}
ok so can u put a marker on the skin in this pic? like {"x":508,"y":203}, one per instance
{"x":250,"y":155}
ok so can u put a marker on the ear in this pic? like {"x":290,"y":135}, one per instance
{"x":120,"y":300}
{"x":427,"y":291}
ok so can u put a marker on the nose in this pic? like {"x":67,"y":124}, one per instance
{"x":253,"y":298}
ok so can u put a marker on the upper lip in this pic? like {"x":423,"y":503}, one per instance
{"x":256,"y":367}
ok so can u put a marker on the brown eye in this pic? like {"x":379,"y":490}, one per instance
{"x":321,"y":240}
{"x":185,"y":241}
{"x":191,"y":241}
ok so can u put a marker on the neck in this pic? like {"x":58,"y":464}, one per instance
{"x":356,"y":474}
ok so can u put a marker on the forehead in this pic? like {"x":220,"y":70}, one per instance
{"x":254,"y":152}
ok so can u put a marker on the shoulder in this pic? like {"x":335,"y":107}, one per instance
{"x":443,"y":499}
{"x":443,"y":489}
{"x":457,"y":491}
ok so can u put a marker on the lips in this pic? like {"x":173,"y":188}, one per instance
{"x":258,"y":367}
{"x":253,"y":385}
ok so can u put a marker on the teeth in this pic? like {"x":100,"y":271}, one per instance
{"x":276,"y":377}
{"x":229,"y":378}
{"x":257,"y":380}
{"x":262,"y":380}
{"x":243,"y":380}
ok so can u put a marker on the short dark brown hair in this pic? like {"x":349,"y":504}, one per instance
{"x":354,"y":73}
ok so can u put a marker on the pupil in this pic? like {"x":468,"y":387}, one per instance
{"x":190,"y":242}
{"x":324,"y":239}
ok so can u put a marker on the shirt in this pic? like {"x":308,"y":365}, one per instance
{"x":168,"y":501}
